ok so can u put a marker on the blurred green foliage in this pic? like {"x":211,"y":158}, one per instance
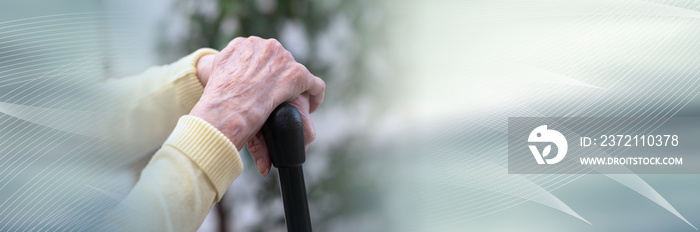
{"x":213,"y":23}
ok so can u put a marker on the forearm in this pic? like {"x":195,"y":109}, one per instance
{"x":182,"y":181}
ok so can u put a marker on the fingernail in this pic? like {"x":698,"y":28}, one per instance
{"x":262,"y":167}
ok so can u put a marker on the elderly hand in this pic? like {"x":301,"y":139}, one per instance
{"x":245,"y":82}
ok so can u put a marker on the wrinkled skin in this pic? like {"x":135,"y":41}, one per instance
{"x":245,"y":82}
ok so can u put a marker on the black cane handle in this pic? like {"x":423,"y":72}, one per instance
{"x":284,"y":135}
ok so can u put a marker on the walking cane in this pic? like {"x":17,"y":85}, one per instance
{"x":284,"y":135}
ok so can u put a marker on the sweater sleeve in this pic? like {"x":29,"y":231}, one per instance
{"x":181,"y":183}
{"x":149,"y":104}
{"x":193,"y":167}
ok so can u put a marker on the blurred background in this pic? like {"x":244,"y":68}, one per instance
{"x":473,"y":64}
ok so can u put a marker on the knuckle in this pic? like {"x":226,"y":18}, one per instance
{"x":257,"y":40}
{"x":274,"y":45}
{"x":252,"y":147}
{"x":298,"y":70}
{"x":294,"y":75}
{"x":237,"y":40}
{"x":273,"y":41}
{"x":287,"y":55}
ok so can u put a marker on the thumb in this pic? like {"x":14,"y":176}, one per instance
{"x":258,"y":150}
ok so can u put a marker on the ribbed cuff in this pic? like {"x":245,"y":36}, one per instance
{"x":209,"y":149}
{"x":184,"y":74}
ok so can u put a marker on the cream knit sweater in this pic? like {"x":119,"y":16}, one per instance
{"x":193,"y":168}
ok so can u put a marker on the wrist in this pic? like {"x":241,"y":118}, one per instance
{"x":209,"y":149}
{"x":231,"y":126}
{"x":204,"y":66}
